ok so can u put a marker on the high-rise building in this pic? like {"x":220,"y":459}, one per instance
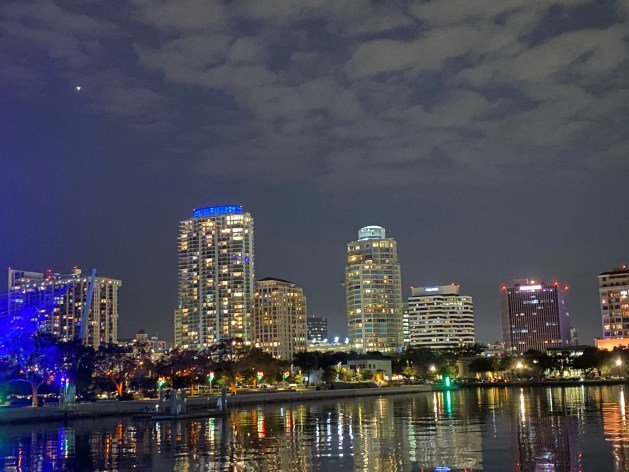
{"x":613,"y":288}
{"x":317,"y":329}
{"x":440,"y":317}
{"x":279,"y":318}
{"x":373,"y":292}
{"x":534,"y":316}
{"x":63,"y":312}
{"x":216,"y":277}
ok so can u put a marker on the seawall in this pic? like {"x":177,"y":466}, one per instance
{"x":133,"y":407}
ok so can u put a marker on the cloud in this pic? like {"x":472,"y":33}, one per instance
{"x":346,"y":95}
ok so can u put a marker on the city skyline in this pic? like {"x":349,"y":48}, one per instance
{"x":499,"y":157}
{"x":338,"y":323}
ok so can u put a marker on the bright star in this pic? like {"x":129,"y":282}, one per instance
{"x":78,"y":88}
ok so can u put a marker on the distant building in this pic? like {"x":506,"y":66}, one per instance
{"x":495,"y":349}
{"x":440,"y":317}
{"x":157,"y":346}
{"x":141,"y":337}
{"x":328,"y":346}
{"x":216,"y":277}
{"x":534,"y":316}
{"x":574,"y":337}
{"x":317,"y":329}
{"x":610,"y":344}
{"x":373,"y":291}
{"x":279,"y":318}
{"x":376,"y":366}
{"x":65,"y":311}
{"x":613,"y":288}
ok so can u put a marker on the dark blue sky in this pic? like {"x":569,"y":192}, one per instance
{"x":490,"y":138}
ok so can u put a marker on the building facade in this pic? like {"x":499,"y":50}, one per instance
{"x":317,"y":329}
{"x":613,"y":288}
{"x":373,"y":292}
{"x":440,"y":317}
{"x":534,"y":316}
{"x":279,"y":318}
{"x":64,"y":306}
{"x":216,"y":277}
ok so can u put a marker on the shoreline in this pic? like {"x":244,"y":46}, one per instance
{"x":197,"y":404}
{"x":194,"y":404}
{"x":543,"y":383}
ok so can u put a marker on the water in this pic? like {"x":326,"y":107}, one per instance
{"x":531,"y":429}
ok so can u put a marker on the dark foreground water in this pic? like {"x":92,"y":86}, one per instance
{"x":499,"y":429}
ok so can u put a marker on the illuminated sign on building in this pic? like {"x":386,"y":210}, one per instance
{"x":431,"y":289}
{"x":529,"y":288}
{"x":217,"y":210}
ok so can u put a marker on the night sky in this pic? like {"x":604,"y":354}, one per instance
{"x":489,"y":137}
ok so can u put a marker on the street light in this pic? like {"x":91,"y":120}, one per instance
{"x":519,"y":365}
{"x":432,"y":368}
{"x":618,"y":362}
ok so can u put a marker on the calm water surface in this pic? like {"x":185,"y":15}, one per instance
{"x":531,"y":429}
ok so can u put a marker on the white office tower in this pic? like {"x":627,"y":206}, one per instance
{"x":216,"y":277}
{"x":373,"y":290}
{"x":440,"y":317}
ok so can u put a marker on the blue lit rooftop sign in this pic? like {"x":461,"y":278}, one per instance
{"x":217,"y":210}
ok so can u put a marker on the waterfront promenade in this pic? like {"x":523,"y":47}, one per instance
{"x":199,"y":403}
{"x":133,"y":407}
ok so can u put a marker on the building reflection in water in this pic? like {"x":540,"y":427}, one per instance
{"x":435,"y":431}
{"x":545,"y":432}
{"x":614,"y":411}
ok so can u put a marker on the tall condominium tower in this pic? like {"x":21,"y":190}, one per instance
{"x":216,"y":277}
{"x":63,"y":312}
{"x":613,"y":288}
{"x":373,"y":292}
{"x":279,"y":318}
{"x":534,"y":316}
{"x":317,"y":328}
{"x":440,"y":317}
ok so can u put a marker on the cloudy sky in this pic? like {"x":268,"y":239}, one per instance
{"x":490,"y":138}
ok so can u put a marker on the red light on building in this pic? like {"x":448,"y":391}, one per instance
{"x":565,"y":287}
{"x":623,"y":266}
{"x":503,"y":288}
{"x":556,"y":283}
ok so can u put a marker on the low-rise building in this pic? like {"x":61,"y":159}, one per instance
{"x":375,"y":366}
{"x":610,"y":344}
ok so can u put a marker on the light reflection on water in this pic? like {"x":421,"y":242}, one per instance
{"x":528,"y":429}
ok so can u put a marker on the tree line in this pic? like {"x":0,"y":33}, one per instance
{"x":44,"y":363}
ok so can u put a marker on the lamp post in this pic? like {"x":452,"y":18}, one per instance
{"x":618,"y":363}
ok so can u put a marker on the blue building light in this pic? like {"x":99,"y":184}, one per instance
{"x":217,"y":210}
